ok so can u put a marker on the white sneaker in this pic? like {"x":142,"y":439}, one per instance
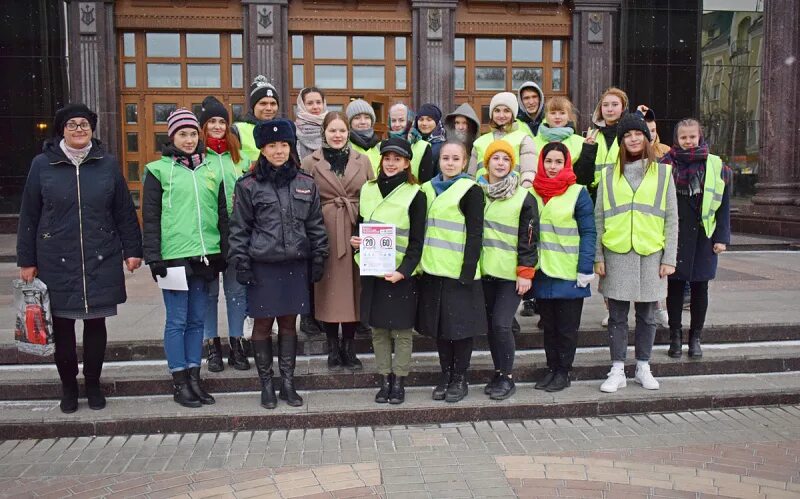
{"x":604,"y":322}
{"x":662,"y":318}
{"x":616,"y":379}
{"x":645,"y":378}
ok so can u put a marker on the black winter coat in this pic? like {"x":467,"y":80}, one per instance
{"x":272,"y":224}
{"x":76,"y":225}
{"x":454,"y":309}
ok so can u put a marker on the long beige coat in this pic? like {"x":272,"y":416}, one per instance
{"x":336,"y":296}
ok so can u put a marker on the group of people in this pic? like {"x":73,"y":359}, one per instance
{"x":531,"y":210}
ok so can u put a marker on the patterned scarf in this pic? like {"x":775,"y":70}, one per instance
{"x":309,"y":126}
{"x":189,"y":160}
{"x":688,"y":168}
{"x":502,"y":189}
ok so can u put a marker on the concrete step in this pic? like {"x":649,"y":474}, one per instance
{"x":530,"y":337}
{"x":143,"y":378}
{"x":355,"y":407}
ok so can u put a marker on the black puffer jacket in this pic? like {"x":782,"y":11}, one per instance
{"x":276,"y":218}
{"x":76,"y":226}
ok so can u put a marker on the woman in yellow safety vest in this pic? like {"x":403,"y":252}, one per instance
{"x":502,"y":112}
{"x":451,"y":305}
{"x":362,"y":130}
{"x":389,"y":302}
{"x":637,"y":236}
{"x":704,"y":230}
{"x":508,"y":257}
{"x":567,"y":239}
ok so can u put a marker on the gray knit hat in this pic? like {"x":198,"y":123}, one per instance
{"x":359,"y":106}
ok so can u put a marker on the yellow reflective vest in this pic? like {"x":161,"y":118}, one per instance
{"x":713,"y":189}
{"x":373,"y":153}
{"x":574,"y":145}
{"x":514,"y":138}
{"x":417,"y":152}
{"x":501,"y":236}
{"x":606,"y":156}
{"x":445,"y":231}
{"x":249,"y":148}
{"x":559,"y":240}
{"x":635,"y":220}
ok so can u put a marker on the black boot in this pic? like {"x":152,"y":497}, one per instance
{"x":214,"y":347}
{"x":386,"y":387}
{"x":334,"y":356}
{"x":490,"y":385}
{"x":349,"y":359}
{"x":457,"y":389}
{"x":548,"y":378}
{"x":309,"y":325}
{"x":194,"y":385}
{"x":237,"y":358}
{"x":695,"y":352}
{"x":262,"y":354}
{"x":69,"y":396}
{"x":440,"y":389}
{"x":675,"y":337}
{"x":398,"y":393}
{"x":560,"y":381}
{"x":182,"y":394}
{"x":287,"y":356}
{"x":528,"y":308}
{"x":504,"y":388}
{"x":94,"y":394}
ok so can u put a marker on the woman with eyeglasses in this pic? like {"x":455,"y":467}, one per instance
{"x":77,"y":224}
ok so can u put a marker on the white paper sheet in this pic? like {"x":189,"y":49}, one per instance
{"x":175,"y":280}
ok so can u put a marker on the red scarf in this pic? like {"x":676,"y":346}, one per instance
{"x":219,"y":146}
{"x":547,"y":187}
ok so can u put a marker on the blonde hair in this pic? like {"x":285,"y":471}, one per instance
{"x":561,"y":103}
{"x":617,"y":92}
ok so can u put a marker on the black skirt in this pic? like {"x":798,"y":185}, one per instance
{"x":281,"y":289}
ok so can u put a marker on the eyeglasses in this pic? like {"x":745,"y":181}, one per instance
{"x":84,"y":125}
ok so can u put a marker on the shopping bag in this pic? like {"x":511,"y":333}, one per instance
{"x":33,"y":332}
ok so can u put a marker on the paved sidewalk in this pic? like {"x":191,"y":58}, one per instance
{"x":749,"y":452}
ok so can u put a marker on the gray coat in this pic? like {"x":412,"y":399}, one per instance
{"x":631,"y":276}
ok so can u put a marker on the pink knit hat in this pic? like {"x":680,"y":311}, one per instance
{"x":181,"y":118}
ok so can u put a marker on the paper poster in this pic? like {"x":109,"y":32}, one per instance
{"x":175,"y":280}
{"x":377,"y":249}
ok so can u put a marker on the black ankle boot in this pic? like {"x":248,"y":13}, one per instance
{"x":69,"y":396}
{"x":675,"y":337}
{"x":695,"y":352}
{"x":237,"y":358}
{"x":182,"y":394}
{"x":194,"y":385}
{"x":492,"y":382}
{"x":94,"y":394}
{"x":349,"y":359}
{"x":398,"y":393}
{"x":504,"y":388}
{"x":262,"y":354}
{"x":548,"y":378}
{"x":382,"y":396}
{"x":528,"y":308}
{"x":214,"y":347}
{"x":334,"y":355}
{"x":440,"y":390}
{"x":287,"y":356}
{"x":560,"y":381}
{"x":457,"y":389}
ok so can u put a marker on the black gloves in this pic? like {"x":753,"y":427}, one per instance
{"x":317,"y":269}
{"x":158,"y":268}
{"x":245,"y":276}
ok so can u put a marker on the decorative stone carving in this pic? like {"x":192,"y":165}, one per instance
{"x":595,"y":28}
{"x":435,"y":24}
{"x":264,"y":23}
{"x":88,"y":20}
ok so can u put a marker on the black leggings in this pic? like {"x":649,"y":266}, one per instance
{"x":502,"y":302}
{"x":348,"y":329}
{"x":454,"y":355}
{"x":94,"y":348}
{"x":698,"y":305}
{"x":262,"y":328}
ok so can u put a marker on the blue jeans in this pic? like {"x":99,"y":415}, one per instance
{"x":235,"y":301}
{"x":183,"y":331}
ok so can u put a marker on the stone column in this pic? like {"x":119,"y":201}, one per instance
{"x":433,"y":26}
{"x":92,"y":57}
{"x":266,"y":46}
{"x":779,"y":153}
{"x":595,"y":32}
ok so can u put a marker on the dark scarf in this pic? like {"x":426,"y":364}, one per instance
{"x":365,"y":139}
{"x":189,"y":160}
{"x":688,"y":168}
{"x":388,"y":184}
{"x":609,"y":133}
{"x":219,"y":146}
{"x":337,"y":158}
{"x":280,"y":176}
{"x":440,"y":185}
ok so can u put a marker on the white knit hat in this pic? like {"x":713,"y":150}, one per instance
{"x":359,"y":106}
{"x":504,"y":99}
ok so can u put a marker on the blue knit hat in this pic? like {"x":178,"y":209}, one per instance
{"x":277,"y":130}
{"x":431,"y":111}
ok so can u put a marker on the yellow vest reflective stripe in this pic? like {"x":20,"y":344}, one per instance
{"x":514,"y":138}
{"x":574,"y":145}
{"x":249,"y":148}
{"x":445,"y":231}
{"x":559,"y":240}
{"x":713,"y":189}
{"x":501,"y":235}
{"x":373,"y":153}
{"x":417,"y":152}
{"x":635,"y":220}
{"x":392,"y":209}
{"x":606,"y":156}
